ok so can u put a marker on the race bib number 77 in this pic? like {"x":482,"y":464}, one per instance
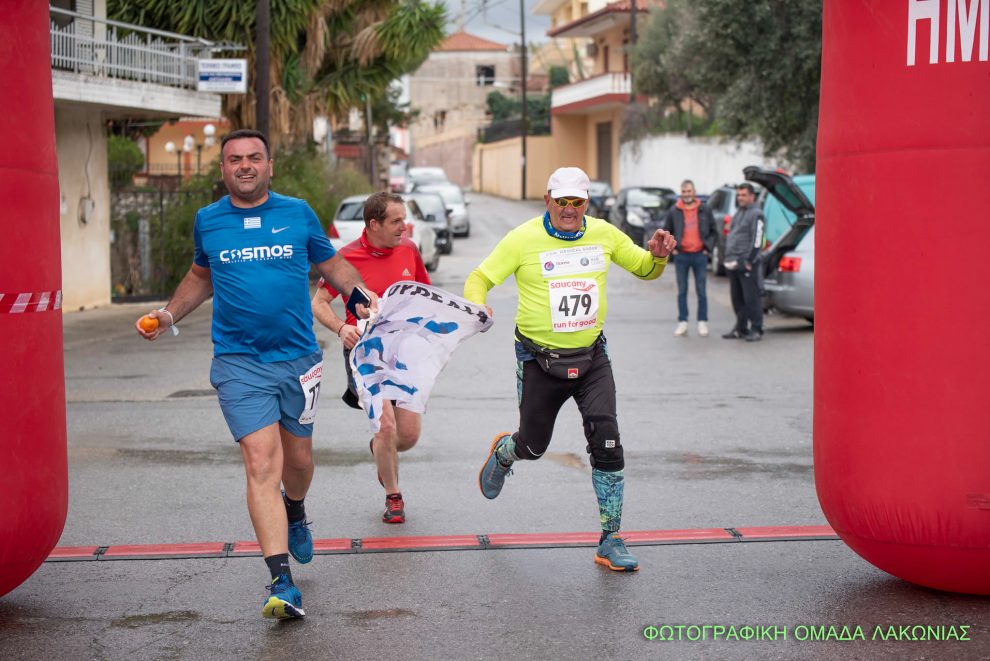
{"x":310,"y":382}
{"x":573,"y":304}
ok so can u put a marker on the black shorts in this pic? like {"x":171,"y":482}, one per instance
{"x":541,"y":397}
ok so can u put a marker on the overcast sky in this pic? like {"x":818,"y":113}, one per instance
{"x":498,"y":20}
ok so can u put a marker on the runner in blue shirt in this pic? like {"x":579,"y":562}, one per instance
{"x":253,"y":250}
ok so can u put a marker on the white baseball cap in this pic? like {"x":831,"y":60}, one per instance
{"x":568,"y":182}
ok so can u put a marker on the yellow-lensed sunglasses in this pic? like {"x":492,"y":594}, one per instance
{"x":576,"y":202}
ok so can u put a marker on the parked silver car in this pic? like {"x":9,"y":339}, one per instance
{"x":433,"y":208}
{"x":453,"y":199}
{"x":424,"y":175}
{"x":791,"y":289}
{"x":722,"y":202}
{"x":789,"y":263}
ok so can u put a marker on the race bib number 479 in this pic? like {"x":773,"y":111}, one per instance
{"x":573,"y":304}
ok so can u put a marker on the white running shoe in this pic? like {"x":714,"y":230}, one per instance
{"x":703,"y":328}
{"x":681,"y":329}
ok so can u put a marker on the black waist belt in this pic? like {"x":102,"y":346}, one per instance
{"x":537,"y":350}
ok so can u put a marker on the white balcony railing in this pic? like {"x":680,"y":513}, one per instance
{"x":127,"y":51}
{"x":593,"y":88}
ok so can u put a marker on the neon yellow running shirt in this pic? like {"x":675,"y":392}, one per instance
{"x":562,"y":283}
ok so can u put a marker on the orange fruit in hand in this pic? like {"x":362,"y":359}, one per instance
{"x":148,"y":324}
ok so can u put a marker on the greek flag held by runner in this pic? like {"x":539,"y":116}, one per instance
{"x":401,"y":353}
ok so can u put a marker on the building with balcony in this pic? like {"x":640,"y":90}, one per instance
{"x":104,"y":70}
{"x":586,"y":116}
{"x":450,"y":91}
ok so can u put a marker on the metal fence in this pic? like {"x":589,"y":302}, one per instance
{"x":121,"y":50}
{"x":512,"y":128}
{"x":151,"y":244}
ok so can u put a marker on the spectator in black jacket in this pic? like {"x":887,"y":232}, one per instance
{"x":693,"y":226}
{"x":742,"y":254}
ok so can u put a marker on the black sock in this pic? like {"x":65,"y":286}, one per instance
{"x":389,"y":496}
{"x":278,"y":565}
{"x":605,"y":533}
{"x":295,"y":509}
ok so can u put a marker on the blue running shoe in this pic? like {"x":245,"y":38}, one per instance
{"x":284,"y":602}
{"x":301,"y":541}
{"x":612,"y":553}
{"x":491,"y":479}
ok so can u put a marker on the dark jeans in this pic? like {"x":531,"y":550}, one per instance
{"x":746,"y":301}
{"x":684,"y":262}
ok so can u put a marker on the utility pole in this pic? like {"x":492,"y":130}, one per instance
{"x":632,"y":45}
{"x":262,"y":45}
{"x":522,"y":52}
{"x":372,"y":156}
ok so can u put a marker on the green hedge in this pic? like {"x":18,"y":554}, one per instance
{"x":124,"y":160}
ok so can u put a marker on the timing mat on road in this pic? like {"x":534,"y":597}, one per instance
{"x":446,"y":543}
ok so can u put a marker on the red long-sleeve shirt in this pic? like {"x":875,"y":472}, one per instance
{"x":380,"y":268}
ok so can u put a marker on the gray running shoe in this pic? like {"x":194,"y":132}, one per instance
{"x":493,"y":473}
{"x":612,"y":553}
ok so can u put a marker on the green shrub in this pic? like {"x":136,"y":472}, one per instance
{"x":124,"y":160}
{"x":175,"y":235}
{"x":305,"y":173}
{"x":559,"y":76}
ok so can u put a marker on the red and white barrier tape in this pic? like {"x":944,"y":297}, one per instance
{"x":38,"y":301}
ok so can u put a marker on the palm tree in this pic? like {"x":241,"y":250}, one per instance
{"x":327,"y":56}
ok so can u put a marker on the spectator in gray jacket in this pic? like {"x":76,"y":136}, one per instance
{"x":742,"y":254}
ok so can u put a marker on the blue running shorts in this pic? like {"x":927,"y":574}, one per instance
{"x":254,"y":394}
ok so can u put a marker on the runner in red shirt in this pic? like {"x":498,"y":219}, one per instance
{"x":383,"y":257}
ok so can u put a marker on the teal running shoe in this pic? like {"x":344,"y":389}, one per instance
{"x":301,"y":541}
{"x":612,"y":553}
{"x":285,"y":600}
{"x":491,"y":479}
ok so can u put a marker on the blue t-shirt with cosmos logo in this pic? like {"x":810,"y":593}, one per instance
{"x":259,"y":265}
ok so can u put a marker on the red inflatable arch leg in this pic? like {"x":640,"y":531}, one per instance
{"x":33,"y":475}
{"x":902,"y":341}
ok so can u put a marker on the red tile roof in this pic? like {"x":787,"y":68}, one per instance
{"x":462,"y":41}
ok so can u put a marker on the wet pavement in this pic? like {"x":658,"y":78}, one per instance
{"x":717,"y":436}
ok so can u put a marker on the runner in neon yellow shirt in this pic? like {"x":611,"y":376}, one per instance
{"x":560,"y":263}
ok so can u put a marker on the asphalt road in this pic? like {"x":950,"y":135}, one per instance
{"x":717,"y":436}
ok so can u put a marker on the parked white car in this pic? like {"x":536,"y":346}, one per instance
{"x":348,"y":223}
{"x":453,"y":199}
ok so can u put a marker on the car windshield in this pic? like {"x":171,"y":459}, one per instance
{"x":431,"y":204}
{"x":645,"y":197}
{"x":413,"y":211}
{"x":779,"y":218}
{"x":351,"y":211}
{"x":397,"y":171}
{"x":450,"y":194}
{"x":599,"y":188}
